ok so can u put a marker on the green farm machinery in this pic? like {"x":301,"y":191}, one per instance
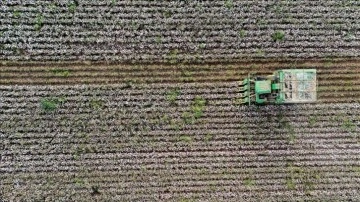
{"x":282,"y":87}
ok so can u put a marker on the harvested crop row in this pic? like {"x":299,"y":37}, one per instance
{"x":333,"y":87}
{"x":337,"y":81}
{"x":44,"y":74}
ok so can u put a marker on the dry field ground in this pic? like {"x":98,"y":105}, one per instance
{"x":124,"y":100}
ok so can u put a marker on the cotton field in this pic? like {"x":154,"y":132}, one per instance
{"x":140,"y":143}
{"x":172,"y":31}
{"x":118,"y":100}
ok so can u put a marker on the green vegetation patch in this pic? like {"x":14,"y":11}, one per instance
{"x":39,"y":22}
{"x":113,"y":2}
{"x":229,"y":4}
{"x":312,"y":120}
{"x":72,"y":6}
{"x":242,"y":33}
{"x":348,"y":125}
{"x":249,"y":182}
{"x":176,"y":124}
{"x":96,"y":103}
{"x":278,"y":36}
{"x":303,"y":179}
{"x":197,"y":106}
{"x":187,"y":76}
{"x":17,"y":14}
{"x":290,"y":183}
{"x":79,"y":181}
{"x":188,"y":118}
{"x":60,"y":72}
{"x":173,"y":56}
{"x":185,"y":138}
{"x":356,"y":169}
{"x":172,"y":96}
{"x":208,"y":137}
{"x":51,"y":104}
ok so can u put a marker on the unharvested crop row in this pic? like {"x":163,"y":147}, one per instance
{"x":113,"y":110}
{"x":210,"y":192}
{"x":141,"y":181}
{"x":250,"y":150}
{"x":90,"y":142}
{"x":231,"y":172}
{"x":172,"y":31}
{"x":145,"y":187}
{"x":325,"y":95}
{"x":207,"y":139}
{"x":135,"y":95}
{"x":163,"y":166}
{"x":164,"y":117}
{"x":110,"y":98}
{"x":219,"y":115}
{"x":221,"y":187}
{"x":232,"y":155}
{"x":112,"y":147}
{"x":163,"y":132}
{"x":329,"y":65}
{"x":111,"y":92}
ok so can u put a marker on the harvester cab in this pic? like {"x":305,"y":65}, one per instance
{"x":282,"y":87}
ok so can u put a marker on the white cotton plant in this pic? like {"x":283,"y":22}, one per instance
{"x":187,"y":27}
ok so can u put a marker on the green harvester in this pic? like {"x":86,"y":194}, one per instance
{"x":282,"y":87}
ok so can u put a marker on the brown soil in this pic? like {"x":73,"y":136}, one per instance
{"x":337,"y":79}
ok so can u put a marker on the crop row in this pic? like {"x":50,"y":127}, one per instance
{"x":102,"y":141}
{"x":337,"y":82}
{"x":184,"y":185}
{"x":124,"y":95}
{"x":134,"y":94}
{"x":327,"y":66}
{"x":176,"y":31}
{"x":166,"y":75}
{"x":182,"y":161}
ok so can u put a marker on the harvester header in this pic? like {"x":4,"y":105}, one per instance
{"x":283,"y":86}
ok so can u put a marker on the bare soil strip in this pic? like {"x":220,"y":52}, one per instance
{"x":338,"y":80}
